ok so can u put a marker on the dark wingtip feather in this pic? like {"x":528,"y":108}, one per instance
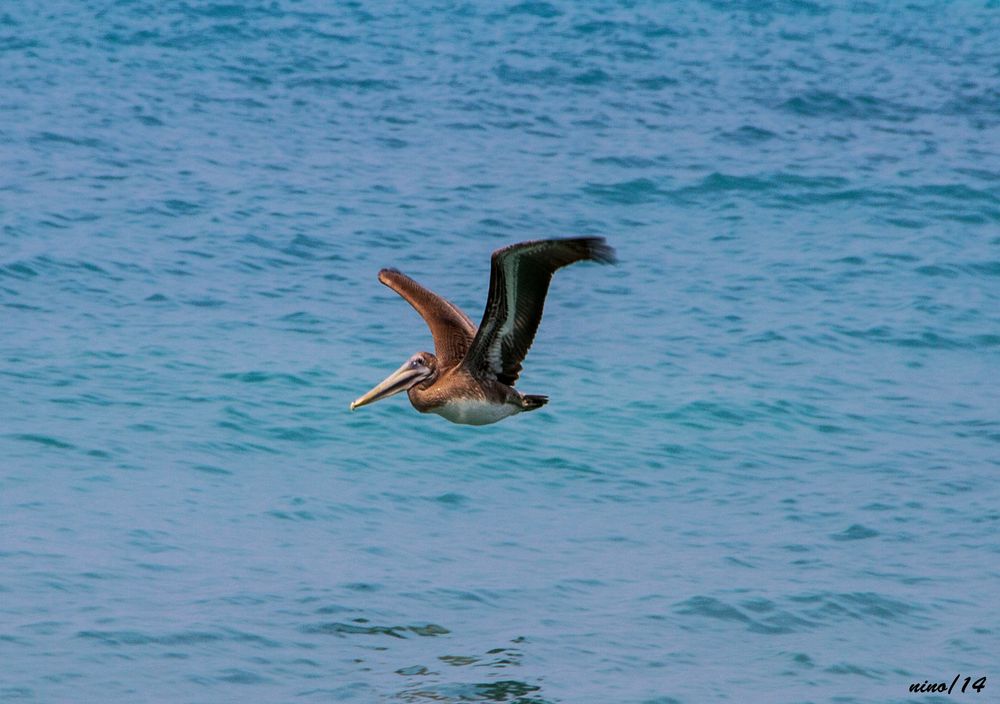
{"x":599,"y":250}
{"x":605,"y":253}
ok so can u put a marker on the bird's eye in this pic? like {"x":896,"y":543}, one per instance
{"x":417,"y":362}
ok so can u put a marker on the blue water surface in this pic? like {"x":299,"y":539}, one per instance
{"x":767,"y":472}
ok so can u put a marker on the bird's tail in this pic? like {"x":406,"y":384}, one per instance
{"x":531,"y":402}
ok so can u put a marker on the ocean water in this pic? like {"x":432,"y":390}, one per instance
{"x":767,"y":472}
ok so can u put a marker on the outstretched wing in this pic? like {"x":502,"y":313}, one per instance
{"x":519,"y":279}
{"x":451,"y":328}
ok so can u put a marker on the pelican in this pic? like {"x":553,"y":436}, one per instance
{"x":470,"y":379}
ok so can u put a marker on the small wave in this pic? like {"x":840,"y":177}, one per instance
{"x":451,"y":499}
{"x":926,"y":339}
{"x":855,"y":532}
{"x":984,"y":105}
{"x":633,"y":192}
{"x":44,"y":440}
{"x":239,"y":676}
{"x":955,"y":191}
{"x":857,"y":107}
{"x":936,"y":270}
{"x":46,"y":266}
{"x":359,"y":627}
{"x":596,"y":27}
{"x":834,"y":607}
{"x":223,"y":11}
{"x":205,"y":302}
{"x":748,"y":135}
{"x":767,"y":617}
{"x":255,"y":377}
{"x":177,"y":206}
{"x":956,"y":202}
{"x":212,"y":469}
{"x":800,"y":613}
{"x":54,"y":137}
{"x":137,"y":38}
{"x":538,"y":9}
{"x":237,"y":448}
{"x":628,"y":162}
{"x":543,"y":77}
{"x":779,"y":188}
{"x":656,"y":82}
{"x":10,"y":694}
{"x":592,"y":77}
{"x":497,"y":657}
{"x":358,"y":84}
{"x":138,"y":638}
{"x":983,"y":268}
{"x":18,"y":270}
{"x":499,"y":691}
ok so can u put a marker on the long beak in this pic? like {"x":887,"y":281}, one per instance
{"x":400,"y":380}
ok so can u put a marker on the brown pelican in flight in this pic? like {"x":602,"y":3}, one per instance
{"x":471,"y":378}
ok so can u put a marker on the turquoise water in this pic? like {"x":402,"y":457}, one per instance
{"x":767,"y":472}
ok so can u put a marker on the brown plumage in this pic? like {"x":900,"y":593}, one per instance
{"x":471,"y":378}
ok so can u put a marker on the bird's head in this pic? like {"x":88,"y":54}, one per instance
{"x":418,"y":369}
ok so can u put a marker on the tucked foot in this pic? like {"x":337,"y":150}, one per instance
{"x":531,"y":402}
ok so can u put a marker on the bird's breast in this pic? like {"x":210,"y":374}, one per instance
{"x":470,"y":411}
